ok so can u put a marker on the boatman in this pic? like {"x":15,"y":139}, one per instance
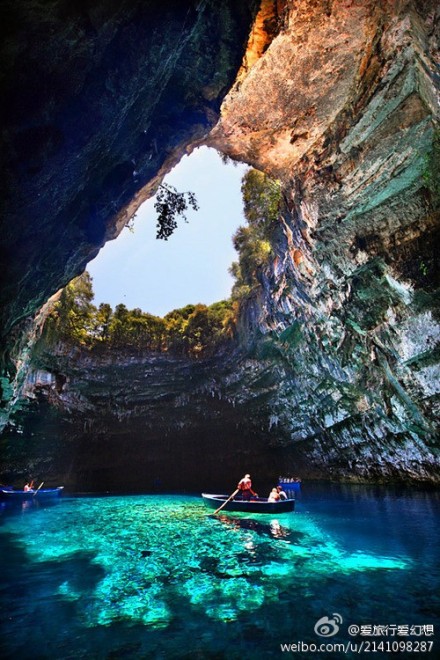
{"x":245,"y":487}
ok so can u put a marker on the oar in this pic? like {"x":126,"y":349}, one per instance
{"x":228,"y":500}
{"x":38,"y":488}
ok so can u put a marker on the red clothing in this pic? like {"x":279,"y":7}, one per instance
{"x":245,"y":486}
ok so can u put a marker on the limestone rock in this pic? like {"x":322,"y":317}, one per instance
{"x":99,"y":100}
{"x":337,"y":373}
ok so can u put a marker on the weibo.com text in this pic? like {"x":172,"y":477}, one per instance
{"x":364,"y":646}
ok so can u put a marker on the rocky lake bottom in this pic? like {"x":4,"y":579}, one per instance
{"x":158,"y":576}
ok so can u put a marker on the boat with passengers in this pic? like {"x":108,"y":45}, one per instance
{"x":10,"y":495}
{"x":254,"y":505}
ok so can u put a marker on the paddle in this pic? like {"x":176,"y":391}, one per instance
{"x":228,"y":500}
{"x":38,"y":488}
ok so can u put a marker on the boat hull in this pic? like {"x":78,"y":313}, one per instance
{"x":24,"y":496}
{"x":257,"y":505}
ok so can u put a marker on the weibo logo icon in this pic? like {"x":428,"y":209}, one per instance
{"x":328,"y":626}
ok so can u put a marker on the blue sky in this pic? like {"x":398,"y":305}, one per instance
{"x":192,"y":266}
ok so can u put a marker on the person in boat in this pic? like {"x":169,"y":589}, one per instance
{"x":281,"y":493}
{"x":29,"y":486}
{"x":273,"y":496}
{"x":245,"y":488}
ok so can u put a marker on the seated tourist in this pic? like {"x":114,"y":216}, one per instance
{"x":281,"y":493}
{"x":273,"y":496}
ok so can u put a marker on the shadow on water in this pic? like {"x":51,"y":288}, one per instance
{"x":273,"y":528}
{"x":34,"y":619}
{"x":141,"y":577}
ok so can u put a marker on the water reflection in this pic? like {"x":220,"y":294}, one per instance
{"x":11,"y":508}
{"x":271,"y":528}
{"x":158,"y":556}
{"x":307,"y":545}
{"x":278,"y":531}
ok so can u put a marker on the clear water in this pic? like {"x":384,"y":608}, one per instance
{"x":161,"y":577}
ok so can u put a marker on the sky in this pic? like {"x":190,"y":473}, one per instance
{"x":192,"y":265}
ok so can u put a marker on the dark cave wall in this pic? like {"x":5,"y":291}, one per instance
{"x":338,"y":371}
{"x":143,"y":423}
{"x":97,"y":99}
{"x":297,"y":401}
{"x":211,"y":456}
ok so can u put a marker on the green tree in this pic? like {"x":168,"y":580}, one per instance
{"x":170,"y":204}
{"x":144,"y":331}
{"x":200,"y":331}
{"x":261,"y":201}
{"x":193,"y":330}
{"x":223,"y":315}
{"x":118,"y":327}
{"x":74,"y":312}
{"x":136,"y":330}
{"x":156,"y":332}
{"x":176,"y":323}
{"x":103,"y":318}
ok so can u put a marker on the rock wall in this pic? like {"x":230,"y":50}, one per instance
{"x":343,"y":107}
{"x":337,"y":374}
{"x":99,"y":100}
{"x":98,"y":421}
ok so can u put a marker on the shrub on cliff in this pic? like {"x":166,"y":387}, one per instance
{"x":261,"y":204}
{"x":73,"y":316}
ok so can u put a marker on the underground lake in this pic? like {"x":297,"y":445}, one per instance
{"x":286,"y":323}
{"x":159,"y":576}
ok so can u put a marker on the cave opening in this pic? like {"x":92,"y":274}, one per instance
{"x":193,"y":265}
{"x":336,"y":297}
{"x":122,"y":363}
{"x":327,"y":359}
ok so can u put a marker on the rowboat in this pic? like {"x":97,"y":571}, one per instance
{"x":256,"y":505}
{"x":22,"y":495}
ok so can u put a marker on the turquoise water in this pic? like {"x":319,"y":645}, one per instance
{"x":161,"y":577}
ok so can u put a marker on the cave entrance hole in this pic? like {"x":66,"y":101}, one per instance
{"x":192,"y":266}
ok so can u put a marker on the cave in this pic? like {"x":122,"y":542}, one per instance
{"x":334,"y":369}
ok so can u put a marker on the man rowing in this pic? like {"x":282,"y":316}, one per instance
{"x":245,"y":488}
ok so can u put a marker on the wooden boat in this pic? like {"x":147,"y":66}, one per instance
{"x":256,"y":505}
{"x":10,"y":495}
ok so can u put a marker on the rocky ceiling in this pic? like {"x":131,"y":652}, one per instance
{"x":98,"y":100}
{"x":337,"y":98}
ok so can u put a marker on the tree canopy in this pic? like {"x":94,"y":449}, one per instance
{"x":169,"y":205}
{"x":193,"y":331}
{"x":261,"y":205}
